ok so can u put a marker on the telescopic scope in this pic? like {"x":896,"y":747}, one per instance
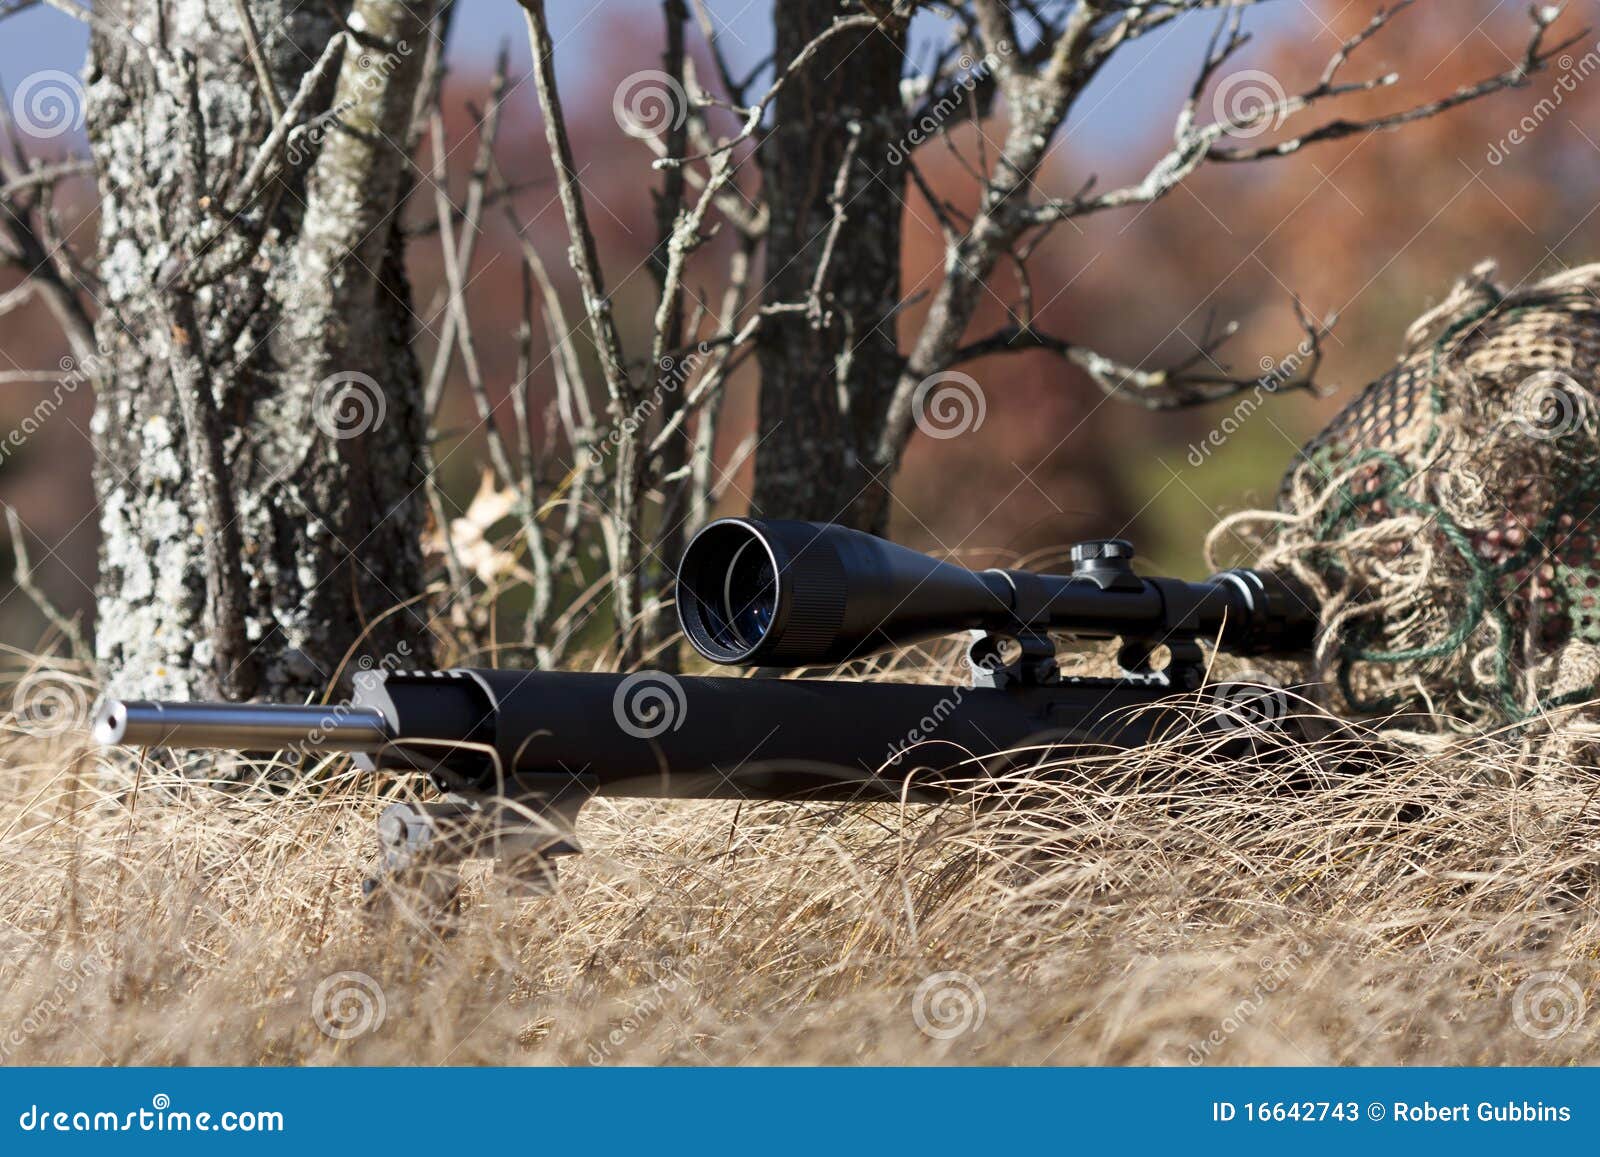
{"x":794,"y":594}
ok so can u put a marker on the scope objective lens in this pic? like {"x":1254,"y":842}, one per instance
{"x":749,"y":594}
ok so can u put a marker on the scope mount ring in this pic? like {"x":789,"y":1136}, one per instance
{"x":1033,"y":665}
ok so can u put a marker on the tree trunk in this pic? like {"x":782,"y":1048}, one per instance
{"x":826,"y":381}
{"x":259,"y":418}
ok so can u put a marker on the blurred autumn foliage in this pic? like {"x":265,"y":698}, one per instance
{"x":1375,"y":227}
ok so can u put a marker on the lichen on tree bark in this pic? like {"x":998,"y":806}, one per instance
{"x":327,"y":527}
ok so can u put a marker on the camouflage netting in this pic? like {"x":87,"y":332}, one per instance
{"x":1448,"y":518}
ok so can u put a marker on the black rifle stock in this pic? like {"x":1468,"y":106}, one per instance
{"x":517,"y":752}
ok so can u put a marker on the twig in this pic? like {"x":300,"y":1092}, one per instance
{"x":22,"y":575}
{"x":258,"y":59}
{"x":293,"y":117}
{"x":42,"y":175}
{"x":459,"y":259}
{"x":1176,"y":387}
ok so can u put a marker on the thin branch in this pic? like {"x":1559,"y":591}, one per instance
{"x":708,"y":29}
{"x":621,"y":529}
{"x":838,"y":201}
{"x":22,"y":575}
{"x":458,"y":259}
{"x":584,"y":254}
{"x":294,"y":117}
{"x":258,"y":59}
{"x":1194,"y":381}
{"x":42,"y":175}
{"x":1195,"y":145}
{"x":1535,"y":59}
{"x":754,"y":113}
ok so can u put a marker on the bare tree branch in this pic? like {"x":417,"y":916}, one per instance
{"x":623,"y":537}
{"x":22,"y":574}
{"x":1194,"y":381}
{"x":258,"y":60}
{"x":1041,"y":85}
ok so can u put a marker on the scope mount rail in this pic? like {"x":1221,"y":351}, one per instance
{"x":515,"y":754}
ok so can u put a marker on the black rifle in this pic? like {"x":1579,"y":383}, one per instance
{"x":518,"y":752}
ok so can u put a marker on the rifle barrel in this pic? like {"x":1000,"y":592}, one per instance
{"x":241,"y":726}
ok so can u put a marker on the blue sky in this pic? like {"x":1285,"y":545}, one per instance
{"x":1141,"y":85}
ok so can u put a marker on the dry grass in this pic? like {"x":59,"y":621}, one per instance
{"x":1165,"y":907}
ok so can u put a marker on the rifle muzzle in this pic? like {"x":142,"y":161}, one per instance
{"x":241,"y":726}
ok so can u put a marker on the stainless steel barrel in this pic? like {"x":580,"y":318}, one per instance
{"x":240,"y":726}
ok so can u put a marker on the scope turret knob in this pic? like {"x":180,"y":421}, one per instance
{"x":1097,"y":548}
{"x":1107,"y":562}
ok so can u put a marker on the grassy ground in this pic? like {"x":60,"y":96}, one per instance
{"x":1163,"y":909}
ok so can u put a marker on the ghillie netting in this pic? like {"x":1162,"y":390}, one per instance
{"x":1448,"y":518}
